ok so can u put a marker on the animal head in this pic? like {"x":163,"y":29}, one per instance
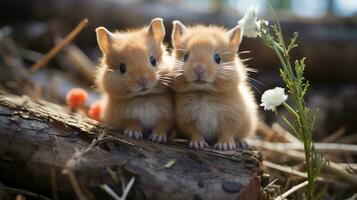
{"x":132,"y":60}
{"x":205,"y":57}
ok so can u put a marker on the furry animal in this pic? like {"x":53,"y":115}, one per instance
{"x":213,"y":101}
{"x":133,"y":81}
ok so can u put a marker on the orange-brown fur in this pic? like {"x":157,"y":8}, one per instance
{"x":222,"y":107}
{"x":125,"y":106}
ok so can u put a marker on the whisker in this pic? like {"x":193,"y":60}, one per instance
{"x":246,"y":59}
{"x":244,"y":52}
{"x":252,"y":70}
{"x":110,"y":70}
{"x":181,"y":50}
{"x":256,"y":89}
{"x":262,"y":84}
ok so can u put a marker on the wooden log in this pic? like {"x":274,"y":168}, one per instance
{"x":38,"y":137}
{"x":319,"y":39}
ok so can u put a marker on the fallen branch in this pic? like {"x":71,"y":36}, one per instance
{"x":325,"y":147}
{"x":41,"y":137}
{"x":54,"y":51}
{"x":292,"y":190}
{"x":332,"y":167}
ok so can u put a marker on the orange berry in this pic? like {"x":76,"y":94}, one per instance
{"x":95,"y":110}
{"x":76,"y":97}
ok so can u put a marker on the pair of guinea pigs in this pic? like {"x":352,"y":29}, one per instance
{"x":201,"y":90}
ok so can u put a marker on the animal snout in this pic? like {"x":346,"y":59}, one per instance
{"x":143,"y":81}
{"x":199,"y":71}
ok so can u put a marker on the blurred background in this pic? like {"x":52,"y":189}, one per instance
{"x":327,"y":37}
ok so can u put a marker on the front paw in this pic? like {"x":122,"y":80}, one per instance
{"x":198,"y":144}
{"x":159,"y":138}
{"x":136,"y":134}
{"x":225,"y":145}
{"x":243,"y":144}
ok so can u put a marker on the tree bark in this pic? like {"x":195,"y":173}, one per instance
{"x":38,"y":137}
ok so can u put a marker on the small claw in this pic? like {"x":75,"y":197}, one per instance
{"x":130,"y":134}
{"x":198,"y":144}
{"x":232,"y":146}
{"x":162,"y":139}
{"x":195,"y":144}
{"x":225,"y":146}
{"x":158,"y":138}
{"x":243,"y":144}
{"x":217,"y":146}
{"x":138,"y":134}
{"x":190,"y":145}
{"x":133,"y":134}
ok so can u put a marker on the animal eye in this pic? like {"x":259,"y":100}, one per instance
{"x":185,"y":57}
{"x":217,"y":58}
{"x":122,"y":68}
{"x":152,"y":61}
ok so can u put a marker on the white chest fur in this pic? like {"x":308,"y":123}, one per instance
{"x":147,"y":112}
{"x":205,"y":113}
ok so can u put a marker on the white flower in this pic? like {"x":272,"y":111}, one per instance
{"x":249,"y":23}
{"x":273,"y":98}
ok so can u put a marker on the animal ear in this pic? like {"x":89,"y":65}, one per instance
{"x":156,"y":29}
{"x":104,"y":39}
{"x":235,"y":37}
{"x":177,"y":31}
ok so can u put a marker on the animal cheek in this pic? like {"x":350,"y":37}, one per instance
{"x":211,"y":72}
{"x":131,"y":83}
{"x":152,"y":79}
{"x":189,"y":73}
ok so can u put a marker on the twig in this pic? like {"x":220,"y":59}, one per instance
{"x":170,"y":163}
{"x":126,"y":190}
{"x":109,"y":137}
{"x":77,"y":157}
{"x":325,"y":147}
{"x":332,"y":167}
{"x":288,"y":170}
{"x":74,"y":161}
{"x":24,"y":192}
{"x":53,"y":52}
{"x":276,"y":131}
{"x":75,"y":185}
{"x":109,"y":191}
{"x":293,"y":189}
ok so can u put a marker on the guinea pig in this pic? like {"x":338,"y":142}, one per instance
{"x":133,"y":80}
{"x":213,"y":100}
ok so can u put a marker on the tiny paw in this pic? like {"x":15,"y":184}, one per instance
{"x":198,"y":144}
{"x":158,"y":138}
{"x":133,"y":134}
{"x":225,"y":146}
{"x":243,"y":144}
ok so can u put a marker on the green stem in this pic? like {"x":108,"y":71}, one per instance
{"x":294,"y":81}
